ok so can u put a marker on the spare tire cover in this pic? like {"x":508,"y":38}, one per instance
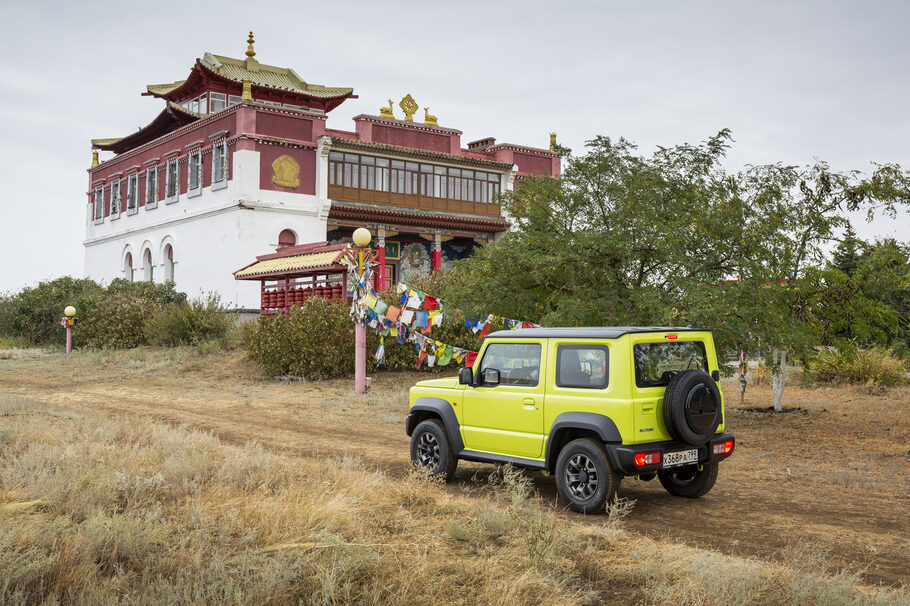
{"x":692,"y":410}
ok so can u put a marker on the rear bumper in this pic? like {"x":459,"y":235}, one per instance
{"x":623,"y":457}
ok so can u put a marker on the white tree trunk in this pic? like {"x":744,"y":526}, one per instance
{"x":778,"y":376}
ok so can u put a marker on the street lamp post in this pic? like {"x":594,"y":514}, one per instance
{"x":69,"y":319}
{"x":364,"y":256}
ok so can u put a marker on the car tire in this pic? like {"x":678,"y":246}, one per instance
{"x":690,"y":481}
{"x":430,"y":449}
{"x":584,"y":477}
{"x":691,"y":407}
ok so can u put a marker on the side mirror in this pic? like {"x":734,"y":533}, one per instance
{"x":715,"y":374}
{"x":490,"y":377}
{"x":465,"y":376}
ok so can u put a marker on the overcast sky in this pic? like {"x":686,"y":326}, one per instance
{"x":795,"y":81}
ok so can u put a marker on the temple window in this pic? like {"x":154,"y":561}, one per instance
{"x":367,"y":173}
{"x":132,"y":193}
{"x":286,"y":238}
{"x":168,"y":263}
{"x":219,"y":164}
{"x":99,"y":204}
{"x":115,"y":199}
{"x":170,"y":176}
{"x":194,"y":174}
{"x":233,"y":100}
{"x":128,"y":267}
{"x":148,"y":270}
{"x":151,"y":187}
{"x":217,"y":102}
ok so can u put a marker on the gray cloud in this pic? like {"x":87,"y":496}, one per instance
{"x":795,"y":82}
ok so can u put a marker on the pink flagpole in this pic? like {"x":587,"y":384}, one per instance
{"x":69,"y":339}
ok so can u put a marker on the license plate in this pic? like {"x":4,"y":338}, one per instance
{"x":672,"y":459}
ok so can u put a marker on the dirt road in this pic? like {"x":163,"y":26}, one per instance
{"x":833,"y":476}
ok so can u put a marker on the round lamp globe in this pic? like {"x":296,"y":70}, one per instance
{"x":70,"y":311}
{"x":362,"y":237}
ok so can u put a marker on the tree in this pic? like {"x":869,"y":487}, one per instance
{"x":624,"y":238}
{"x":846,"y":257}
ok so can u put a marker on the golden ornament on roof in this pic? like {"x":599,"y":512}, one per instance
{"x":428,"y":118}
{"x":408,"y":106}
{"x":387,"y":112}
{"x":249,"y":49}
{"x":552,"y":141}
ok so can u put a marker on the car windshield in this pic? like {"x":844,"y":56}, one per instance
{"x":657,"y":363}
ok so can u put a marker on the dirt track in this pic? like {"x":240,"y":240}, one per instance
{"x":834,"y":475}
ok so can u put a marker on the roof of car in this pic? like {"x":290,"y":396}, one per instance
{"x":585,"y":332}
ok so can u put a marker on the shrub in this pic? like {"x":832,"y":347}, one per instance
{"x":314,"y":342}
{"x":198,"y":321}
{"x":33,"y":315}
{"x":117,"y":317}
{"x":877,"y":366}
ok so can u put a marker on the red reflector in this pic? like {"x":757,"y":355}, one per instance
{"x":647,"y":458}
{"x":723,"y":447}
{"x":671,"y":337}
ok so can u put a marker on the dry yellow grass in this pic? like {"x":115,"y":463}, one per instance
{"x":98,"y":508}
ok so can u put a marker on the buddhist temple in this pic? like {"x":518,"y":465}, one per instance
{"x":241,"y":164}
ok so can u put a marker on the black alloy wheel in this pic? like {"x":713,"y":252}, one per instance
{"x":584,"y":477}
{"x":430,"y":449}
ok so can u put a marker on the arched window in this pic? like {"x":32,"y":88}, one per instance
{"x":149,"y":270}
{"x":128,"y":266}
{"x":169,"y":263}
{"x":286,"y":238}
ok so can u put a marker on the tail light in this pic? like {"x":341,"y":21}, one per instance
{"x":647,"y":458}
{"x":723,"y":447}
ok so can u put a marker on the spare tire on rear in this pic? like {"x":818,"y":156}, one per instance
{"x":692,"y":409}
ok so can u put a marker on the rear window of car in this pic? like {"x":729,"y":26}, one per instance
{"x":657,"y":363}
{"x":582,"y":366}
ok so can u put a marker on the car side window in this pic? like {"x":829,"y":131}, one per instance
{"x":517,"y":363}
{"x":583,"y":366}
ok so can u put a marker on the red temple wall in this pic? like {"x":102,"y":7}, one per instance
{"x":305,"y":158}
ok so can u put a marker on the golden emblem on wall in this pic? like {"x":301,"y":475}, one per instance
{"x":408,"y":106}
{"x":386,"y":112}
{"x":285,"y":171}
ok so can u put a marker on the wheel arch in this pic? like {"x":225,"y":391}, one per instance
{"x":574,"y":425}
{"x":436,"y":408}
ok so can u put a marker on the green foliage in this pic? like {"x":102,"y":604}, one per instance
{"x":314,"y":342}
{"x":117,"y":317}
{"x":192,"y":323}
{"x":33,"y":315}
{"x":317,"y":342}
{"x":846,"y":257}
{"x":877,"y":366}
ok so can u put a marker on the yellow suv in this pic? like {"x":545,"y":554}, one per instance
{"x":589,"y":405}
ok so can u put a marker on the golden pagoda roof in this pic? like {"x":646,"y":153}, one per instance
{"x":259,"y":74}
{"x":311,"y":256}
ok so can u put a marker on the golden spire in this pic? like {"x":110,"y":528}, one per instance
{"x":247,"y":94}
{"x":95,"y":161}
{"x":552,"y":141}
{"x":249,"y":50}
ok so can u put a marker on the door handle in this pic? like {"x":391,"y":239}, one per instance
{"x":527,"y":401}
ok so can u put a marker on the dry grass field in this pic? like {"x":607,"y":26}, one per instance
{"x":173,"y":477}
